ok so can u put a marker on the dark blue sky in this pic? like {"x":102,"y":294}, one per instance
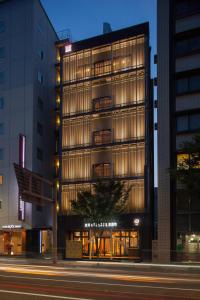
{"x":85,"y":19}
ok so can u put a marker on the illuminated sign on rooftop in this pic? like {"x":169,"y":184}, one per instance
{"x":68,"y":48}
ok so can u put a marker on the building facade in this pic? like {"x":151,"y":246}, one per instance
{"x":27,"y":81}
{"x":105,"y":123}
{"x":178,"y":119}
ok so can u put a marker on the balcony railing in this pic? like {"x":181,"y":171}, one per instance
{"x":115,"y":106}
{"x":94,"y":72}
{"x":94,"y":178}
{"x":129,"y":140}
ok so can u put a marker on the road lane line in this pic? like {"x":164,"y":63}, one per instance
{"x":104,"y":283}
{"x":43,"y":295}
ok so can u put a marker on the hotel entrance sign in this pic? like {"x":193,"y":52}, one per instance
{"x":100,"y":225}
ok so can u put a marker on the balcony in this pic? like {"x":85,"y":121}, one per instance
{"x":105,"y":105}
{"x":105,"y":176}
{"x":102,"y":142}
{"x":100,"y":69}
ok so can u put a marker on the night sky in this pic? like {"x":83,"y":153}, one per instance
{"x":84,"y":18}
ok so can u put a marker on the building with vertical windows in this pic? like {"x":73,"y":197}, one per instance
{"x":105,"y":123}
{"x":178,"y":120}
{"x":27,"y":85}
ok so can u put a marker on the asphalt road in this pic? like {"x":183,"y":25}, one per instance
{"x":37,"y":282}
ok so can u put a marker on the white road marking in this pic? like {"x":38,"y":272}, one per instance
{"x":104,"y":283}
{"x":42,"y":295}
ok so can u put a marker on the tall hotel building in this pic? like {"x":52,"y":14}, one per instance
{"x":27,"y":88}
{"x":105,"y":117}
{"x":178,"y":120}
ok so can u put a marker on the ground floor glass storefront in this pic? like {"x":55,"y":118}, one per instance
{"x":14,"y":242}
{"x":119,"y":243}
{"x":188,"y":246}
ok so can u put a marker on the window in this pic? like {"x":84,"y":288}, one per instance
{"x":41,"y":54}
{"x":1,"y":128}
{"x":182,"y":85}
{"x":195,"y":122}
{"x":187,"y":7}
{"x":102,"y":103}
{"x":182,"y":123}
{"x":40,"y":77}
{"x":1,"y":179}
{"x":102,"y":67}
{"x":39,"y":208}
{"x":187,"y":46}
{"x":40,"y":129}
{"x":194,"y":83}
{"x":1,"y":154}
{"x":190,"y":122}
{"x":102,"y":137}
{"x":2,"y":77}
{"x":39,"y":154}
{"x":188,"y":84}
{"x":2,"y":52}
{"x":2,"y":26}
{"x":121,"y":62}
{"x":102,"y":170}
{"x":1,"y":102}
{"x":40,"y":104}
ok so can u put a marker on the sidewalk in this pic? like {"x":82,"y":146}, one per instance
{"x":121,"y":265}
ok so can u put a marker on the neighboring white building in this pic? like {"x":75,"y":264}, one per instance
{"x":27,"y":84}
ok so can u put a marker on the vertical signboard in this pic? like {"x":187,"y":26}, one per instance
{"x":22,"y":159}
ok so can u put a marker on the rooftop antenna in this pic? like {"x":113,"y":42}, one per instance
{"x":106,"y":28}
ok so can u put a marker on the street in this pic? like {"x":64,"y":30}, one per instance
{"x":22,"y":281}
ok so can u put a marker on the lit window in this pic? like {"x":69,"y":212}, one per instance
{"x":58,"y":120}
{"x":1,"y":103}
{"x":102,"y":137}
{"x":1,"y":179}
{"x":102,"y":170}
{"x":183,"y":161}
{"x":102,"y":67}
